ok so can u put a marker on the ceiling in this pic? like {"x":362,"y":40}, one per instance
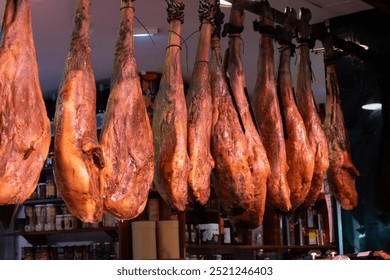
{"x":53,"y":22}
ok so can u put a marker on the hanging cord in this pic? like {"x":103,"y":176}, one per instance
{"x":147,"y":31}
{"x":175,"y":11}
{"x":218,"y":20}
{"x":232,"y":30}
{"x":310,"y":43}
{"x":284,"y":42}
{"x":264,"y":29}
{"x":183,"y":41}
{"x":206,"y":15}
{"x":206,"y":11}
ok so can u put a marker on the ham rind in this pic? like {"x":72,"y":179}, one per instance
{"x":24,"y":126}
{"x":257,"y":157}
{"x":341,"y":173}
{"x":300,"y":157}
{"x":126,"y":137}
{"x":169,"y":127}
{"x":200,"y":108}
{"x":308,"y":110}
{"x":78,"y":156}
{"x":267,"y":113}
{"x":233,"y":183}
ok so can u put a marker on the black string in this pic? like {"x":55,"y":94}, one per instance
{"x":147,"y":31}
{"x":264,"y":29}
{"x":182,"y":42}
{"x":230,"y":28}
{"x":173,"y":45}
{"x":309,"y":41}
{"x":127,"y":7}
{"x":201,"y":61}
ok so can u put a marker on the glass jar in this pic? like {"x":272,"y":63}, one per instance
{"x":41,"y":190}
{"x":60,"y":225}
{"x":31,"y":219}
{"x":50,"y":217}
{"x":50,"y":189}
{"x":40,"y":211}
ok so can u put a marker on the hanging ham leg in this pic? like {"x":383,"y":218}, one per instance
{"x":199,"y":104}
{"x":233,"y":183}
{"x":300,"y":158}
{"x":257,"y":157}
{"x":24,"y":125}
{"x":308,"y":110}
{"x":341,"y":173}
{"x":78,"y":156}
{"x":268,"y":117}
{"x":170,"y":120}
{"x":126,"y":137}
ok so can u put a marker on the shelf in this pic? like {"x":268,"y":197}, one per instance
{"x":245,"y":252}
{"x":43,"y":201}
{"x":41,"y":237}
{"x":257,"y":247}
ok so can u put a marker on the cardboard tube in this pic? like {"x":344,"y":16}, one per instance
{"x":168,"y":240}
{"x":144,"y":240}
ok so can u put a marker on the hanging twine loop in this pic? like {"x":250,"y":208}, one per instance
{"x":218,"y":20}
{"x":206,"y":12}
{"x":175,"y":11}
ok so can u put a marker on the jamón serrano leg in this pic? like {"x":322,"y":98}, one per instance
{"x":24,"y":125}
{"x":267,"y":113}
{"x":170,"y":120}
{"x":199,"y":104}
{"x":257,"y":157}
{"x":233,"y":181}
{"x":126,"y":137}
{"x":300,"y":158}
{"x":78,"y":156}
{"x":308,"y":110}
{"x":341,"y":173}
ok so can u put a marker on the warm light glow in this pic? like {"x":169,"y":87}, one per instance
{"x":363,"y":46}
{"x":372,"y":106}
{"x":225,"y":4}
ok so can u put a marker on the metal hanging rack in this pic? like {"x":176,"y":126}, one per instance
{"x":319,"y":31}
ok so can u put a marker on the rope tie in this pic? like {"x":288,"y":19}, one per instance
{"x":230,"y":28}
{"x":205,"y":11}
{"x":173,"y":45}
{"x":201,"y":61}
{"x":127,"y":7}
{"x":175,"y":11}
{"x":218,"y":20}
{"x":311,"y":42}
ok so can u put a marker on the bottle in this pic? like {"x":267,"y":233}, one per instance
{"x":50,"y":188}
{"x":227,"y":234}
{"x":194,"y":234}
{"x":187,"y":234}
{"x":259,"y":254}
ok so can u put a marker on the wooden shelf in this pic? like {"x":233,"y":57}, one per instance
{"x":41,"y":237}
{"x":43,"y":201}
{"x":257,"y":247}
{"x":246,"y":252}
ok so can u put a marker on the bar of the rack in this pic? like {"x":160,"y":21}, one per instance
{"x":318,"y":31}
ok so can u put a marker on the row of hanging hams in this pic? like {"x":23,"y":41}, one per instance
{"x":263,"y":147}
{"x":115,"y":174}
